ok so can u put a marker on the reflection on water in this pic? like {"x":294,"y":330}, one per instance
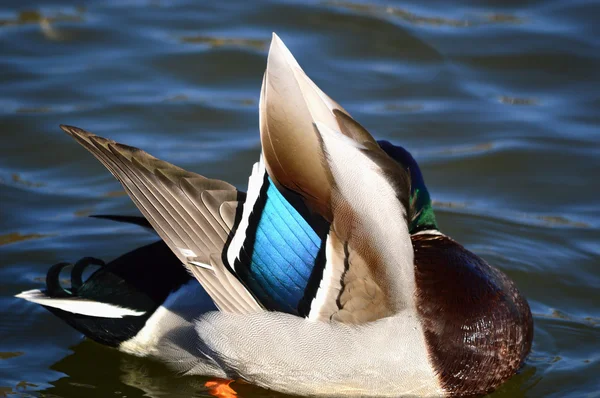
{"x":13,"y":237}
{"x":414,"y":18}
{"x":226,"y":42}
{"x":37,"y":17}
{"x":498,"y":100}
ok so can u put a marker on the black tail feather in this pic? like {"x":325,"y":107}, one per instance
{"x":136,"y":220}
{"x":140,"y":280}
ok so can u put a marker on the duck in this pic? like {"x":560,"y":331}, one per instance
{"x":328,"y":277}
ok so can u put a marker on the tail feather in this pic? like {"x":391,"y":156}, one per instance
{"x":136,"y":220}
{"x":78,"y":305}
{"x":113,"y":304}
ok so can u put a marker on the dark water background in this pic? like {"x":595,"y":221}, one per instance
{"x":498,"y":100}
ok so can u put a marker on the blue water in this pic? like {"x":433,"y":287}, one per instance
{"x":499,"y":101}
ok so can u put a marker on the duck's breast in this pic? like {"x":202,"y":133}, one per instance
{"x":477,"y":326}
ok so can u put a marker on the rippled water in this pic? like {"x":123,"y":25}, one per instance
{"x":498,"y":100}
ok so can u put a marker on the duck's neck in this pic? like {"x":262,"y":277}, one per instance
{"x":423,"y":218}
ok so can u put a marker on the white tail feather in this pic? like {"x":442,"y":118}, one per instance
{"x":78,"y":305}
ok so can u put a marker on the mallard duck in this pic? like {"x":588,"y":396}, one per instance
{"x":328,"y":277}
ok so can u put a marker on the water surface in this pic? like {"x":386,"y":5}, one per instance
{"x":498,"y":100}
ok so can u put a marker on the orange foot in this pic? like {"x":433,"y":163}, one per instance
{"x":220,"y":388}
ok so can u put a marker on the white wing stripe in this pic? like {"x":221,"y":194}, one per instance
{"x":330,"y":284}
{"x":255,"y":183}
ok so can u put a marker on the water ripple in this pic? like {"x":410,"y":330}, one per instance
{"x":497,"y":100}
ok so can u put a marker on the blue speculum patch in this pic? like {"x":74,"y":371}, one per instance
{"x":282,"y":254}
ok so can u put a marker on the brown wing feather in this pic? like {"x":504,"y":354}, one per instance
{"x":367,"y":285}
{"x":327,"y":169}
{"x":361,"y":299}
{"x":182,"y":208}
{"x":289,"y":105}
